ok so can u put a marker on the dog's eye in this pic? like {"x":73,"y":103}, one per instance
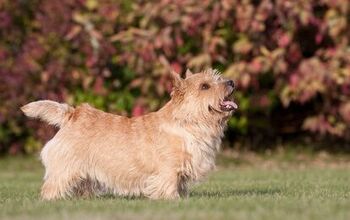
{"x":205,"y":86}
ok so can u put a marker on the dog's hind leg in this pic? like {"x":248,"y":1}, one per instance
{"x":87,"y":188}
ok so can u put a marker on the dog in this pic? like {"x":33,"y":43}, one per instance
{"x":158,"y":155}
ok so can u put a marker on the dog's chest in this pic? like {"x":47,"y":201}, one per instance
{"x":203,"y":152}
{"x":201,"y":144}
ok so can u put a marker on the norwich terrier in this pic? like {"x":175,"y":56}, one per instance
{"x":157,"y":155}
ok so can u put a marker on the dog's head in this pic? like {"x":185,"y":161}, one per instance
{"x":205,"y":93}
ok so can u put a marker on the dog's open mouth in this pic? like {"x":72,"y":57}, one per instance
{"x":228,"y":104}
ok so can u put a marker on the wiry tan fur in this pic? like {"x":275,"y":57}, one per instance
{"x":157,"y":155}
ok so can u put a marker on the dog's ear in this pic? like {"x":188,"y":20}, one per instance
{"x":177,"y":80}
{"x":188,"y":73}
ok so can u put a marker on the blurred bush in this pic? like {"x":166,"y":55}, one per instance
{"x":291,"y":60}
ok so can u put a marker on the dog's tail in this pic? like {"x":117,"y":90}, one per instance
{"x":52,"y":112}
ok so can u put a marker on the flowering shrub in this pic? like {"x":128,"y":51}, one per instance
{"x":287,"y":57}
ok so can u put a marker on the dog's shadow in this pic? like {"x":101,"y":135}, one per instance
{"x":212,"y":194}
{"x":234,"y":193}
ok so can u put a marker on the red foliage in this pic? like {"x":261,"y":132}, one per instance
{"x":116,"y":54}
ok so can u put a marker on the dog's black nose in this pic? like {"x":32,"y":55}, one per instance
{"x":230,"y":83}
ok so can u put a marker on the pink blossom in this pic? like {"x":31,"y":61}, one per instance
{"x":138,"y":110}
{"x":318,"y":38}
{"x":176,"y":67}
{"x":256,"y":66}
{"x":284,"y":40}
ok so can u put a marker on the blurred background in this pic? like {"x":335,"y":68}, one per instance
{"x":289,"y":58}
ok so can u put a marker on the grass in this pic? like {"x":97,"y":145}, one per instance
{"x":232,"y":192}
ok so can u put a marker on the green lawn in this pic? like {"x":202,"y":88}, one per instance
{"x":233,"y":192}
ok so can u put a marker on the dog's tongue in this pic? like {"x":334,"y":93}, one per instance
{"x":229,"y":104}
